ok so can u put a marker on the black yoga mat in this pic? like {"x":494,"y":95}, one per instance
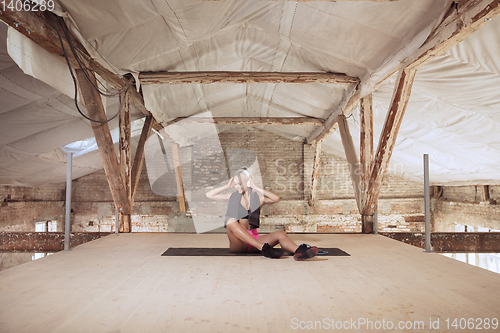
{"x":222,"y":252}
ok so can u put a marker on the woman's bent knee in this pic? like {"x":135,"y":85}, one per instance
{"x":231,"y":224}
{"x":281,"y":234}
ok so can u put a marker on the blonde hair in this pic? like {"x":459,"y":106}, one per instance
{"x":246,"y":172}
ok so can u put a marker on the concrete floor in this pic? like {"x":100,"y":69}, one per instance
{"x":121,"y":283}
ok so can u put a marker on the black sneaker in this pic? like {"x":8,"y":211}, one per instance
{"x":271,"y":252}
{"x":304,"y":252}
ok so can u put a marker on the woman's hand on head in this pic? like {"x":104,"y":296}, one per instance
{"x":252,"y":183}
{"x":231,"y":182}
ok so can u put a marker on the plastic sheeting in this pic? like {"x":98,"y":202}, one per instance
{"x":39,"y":63}
{"x":36,"y":120}
{"x":361,"y":39}
{"x":452,"y":114}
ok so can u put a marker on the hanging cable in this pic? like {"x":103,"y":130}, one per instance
{"x":84,"y":71}
{"x":84,"y":68}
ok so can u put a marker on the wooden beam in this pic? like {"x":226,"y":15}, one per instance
{"x":438,"y":192}
{"x":125,"y":153}
{"x":318,"y":136}
{"x":178,"y":176}
{"x":388,"y":137}
{"x":244,"y":77}
{"x":366,"y":145}
{"x":315,"y":173}
{"x":39,"y":27}
{"x":485,"y":193}
{"x":250,"y":120}
{"x":466,"y":18}
{"x":125,"y":142}
{"x":157,"y":127}
{"x":125,"y":222}
{"x":352,"y":157}
{"x":95,"y":110}
{"x":139,"y":156}
{"x":366,"y":157}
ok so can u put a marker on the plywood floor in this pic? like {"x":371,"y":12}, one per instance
{"x":121,"y":283}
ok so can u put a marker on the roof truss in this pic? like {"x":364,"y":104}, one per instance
{"x":244,"y":77}
{"x":250,"y":120}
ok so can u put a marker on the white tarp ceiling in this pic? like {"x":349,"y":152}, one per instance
{"x":37,"y":121}
{"x":452,"y":114}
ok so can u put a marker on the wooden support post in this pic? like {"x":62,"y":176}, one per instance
{"x":315,"y":173}
{"x":366,"y":158}
{"x":95,"y":110}
{"x":125,"y":221}
{"x":178,"y":176}
{"x":125,"y":140}
{"x":139,"y":155}
{"x":352,"y":157}
{"x":125,"y":154}
{"x":485,"y":193}
{"x":366,"y":144}
{"x":388,"y":137}
{"x":438,"y":192}
{"x":367,"y":223}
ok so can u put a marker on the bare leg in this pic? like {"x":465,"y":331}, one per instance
{"x":239,"y":238}
{"x":280,"y":237}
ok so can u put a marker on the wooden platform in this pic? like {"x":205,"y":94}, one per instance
{"x":121,"y":283}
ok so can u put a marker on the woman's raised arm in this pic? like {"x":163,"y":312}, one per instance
{"x":269,"y":197}
{"x":217,"y":195}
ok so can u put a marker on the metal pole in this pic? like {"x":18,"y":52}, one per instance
{"x":375,"y":221}
{"x":427,"y":200}
{"x":67,"y":225}
{"x":117,"y":222}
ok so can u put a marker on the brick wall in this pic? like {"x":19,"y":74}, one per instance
{"x":462,"y":193}
{"x":94,"y":188}
{"x":471,"y":193}
{"x":92,"y":206}
{"x":22,"y":215}
{"x":452,"y":216}
{"x":341,"y":215}
{"x":459,"y":208}
{"x":39,"y":193}
{"x":280,"y":159}
{"x":286,"y":167}
{"x":495,"y":192}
